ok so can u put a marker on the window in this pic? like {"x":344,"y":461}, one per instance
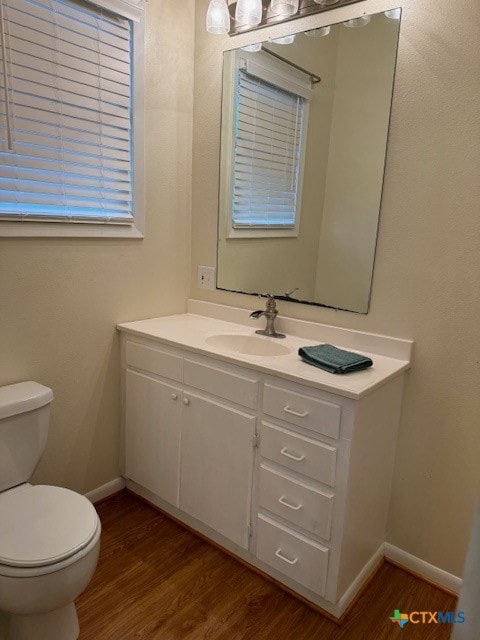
{"x":270,"y":114}
{"x":66,"y":116}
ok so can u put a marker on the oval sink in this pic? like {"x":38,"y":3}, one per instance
{"x":248,"y":345}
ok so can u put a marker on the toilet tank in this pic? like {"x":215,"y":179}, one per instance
{"x":24,"y":420}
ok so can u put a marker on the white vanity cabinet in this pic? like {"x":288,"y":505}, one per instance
{"x":216,"y":466}
{"x":191,"y":450}
{"x":152,"y":434}
{"x":299,"y":443}
{"x":291,"y":478}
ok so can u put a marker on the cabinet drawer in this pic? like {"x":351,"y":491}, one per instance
{"x":154,"y":361}
{"x":304,"y":411}
{"x":299,"y":558}
{"x":299,"y":453}
{"x":223,"y":383}
{"x":297,"y":502}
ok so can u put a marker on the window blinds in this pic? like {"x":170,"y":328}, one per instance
{"x":268,"y":135}
{"x":65,"y":101}
{"x":131,"y":9}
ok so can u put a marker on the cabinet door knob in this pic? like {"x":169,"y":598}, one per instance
{"x":280,"y":555}
{"x":174,"y":396}
{"x":186,"y":401}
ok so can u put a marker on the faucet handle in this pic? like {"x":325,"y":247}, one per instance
{"x":271,"y":304}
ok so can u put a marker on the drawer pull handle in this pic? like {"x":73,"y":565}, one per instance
{"x":174,"y":396}
{"x":280,"y":555}
{"x":186,"y":402}
{"x":292,"y":456}
{"x":294,"y":507}
{"x":295,"y":413}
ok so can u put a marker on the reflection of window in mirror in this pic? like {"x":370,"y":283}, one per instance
{"x":266,"y":140}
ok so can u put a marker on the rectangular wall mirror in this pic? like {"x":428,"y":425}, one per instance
{"x":303,"y":144}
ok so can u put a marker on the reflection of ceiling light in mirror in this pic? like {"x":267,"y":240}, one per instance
{"x":326,"y":2}
{"x":284,"y":8}
{"x":253,"y":48}
{"x":249,"y":12}
{"x":357,"y":22}
{"x":218,"y":17}
{"x":318,"y":33}
{"x":393,"y":14}
{"x":283,"y":40}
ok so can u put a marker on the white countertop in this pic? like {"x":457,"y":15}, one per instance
{"x":189,"y":331}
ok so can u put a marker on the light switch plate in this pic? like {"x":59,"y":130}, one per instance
{"x":206,"y":278}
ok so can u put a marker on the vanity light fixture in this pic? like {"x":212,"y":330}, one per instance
{"x":239,"y":16}
{"x":357,"y":22}
{"x":253,"y":48}
{"x":318,"y":33}
{"x":284,"y":8}
{"x":218,"y":17}
{"x":249,"y":12}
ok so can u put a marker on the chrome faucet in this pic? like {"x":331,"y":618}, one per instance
{"x":270,"y":313}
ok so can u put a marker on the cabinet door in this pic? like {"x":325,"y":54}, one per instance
{"x":216,"y":466}
{"x":153,"y":423}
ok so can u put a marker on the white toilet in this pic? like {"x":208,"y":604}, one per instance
{"x":49,"y":536}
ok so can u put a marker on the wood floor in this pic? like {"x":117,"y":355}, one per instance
{"x":157,"y":581}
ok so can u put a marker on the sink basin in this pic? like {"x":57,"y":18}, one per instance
{"x":248,"y":345}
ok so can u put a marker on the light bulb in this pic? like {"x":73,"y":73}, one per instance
{"x":249,"y":12}
{"x":283,"y":40}
{"x":393,"y":14}
{"x":357,"y":22}
{"x":284,"y":8}
{"x":218,"y":17}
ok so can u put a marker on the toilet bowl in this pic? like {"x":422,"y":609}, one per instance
{"x":49,"y":536}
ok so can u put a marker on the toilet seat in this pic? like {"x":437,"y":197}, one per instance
{"x":43,"y":525}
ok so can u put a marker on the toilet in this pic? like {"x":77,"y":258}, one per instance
{"x":49,"y":536}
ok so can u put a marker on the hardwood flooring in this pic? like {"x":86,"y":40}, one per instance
{"x":157,"y":581}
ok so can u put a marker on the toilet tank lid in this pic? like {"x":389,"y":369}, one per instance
{"x":23,"y":397}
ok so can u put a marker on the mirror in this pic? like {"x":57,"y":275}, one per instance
{"x":303,"y":145}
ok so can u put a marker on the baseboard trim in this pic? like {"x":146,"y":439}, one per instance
{"x":106,"y":490}
{"x":428,"y":572}
{"x":360,"y":583}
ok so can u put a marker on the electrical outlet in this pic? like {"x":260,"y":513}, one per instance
{"x":206,"y":278}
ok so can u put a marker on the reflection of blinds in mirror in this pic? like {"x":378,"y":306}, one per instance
{"x":268,"y":135}
{"x":67,"y":85}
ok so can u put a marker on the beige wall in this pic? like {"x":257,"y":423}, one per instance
{"x":60,"y":299}
{"x":427,"y":269}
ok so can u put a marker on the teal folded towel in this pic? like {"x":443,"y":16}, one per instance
{"x":334,"y":360}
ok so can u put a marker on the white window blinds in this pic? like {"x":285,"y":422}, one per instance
{"x":131,"y":9}
{"x":65,"y":105}
{"x":268,"y":142}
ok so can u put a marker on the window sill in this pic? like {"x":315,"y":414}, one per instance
{"x":65,"y":230}
{"x":256,"y":232}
